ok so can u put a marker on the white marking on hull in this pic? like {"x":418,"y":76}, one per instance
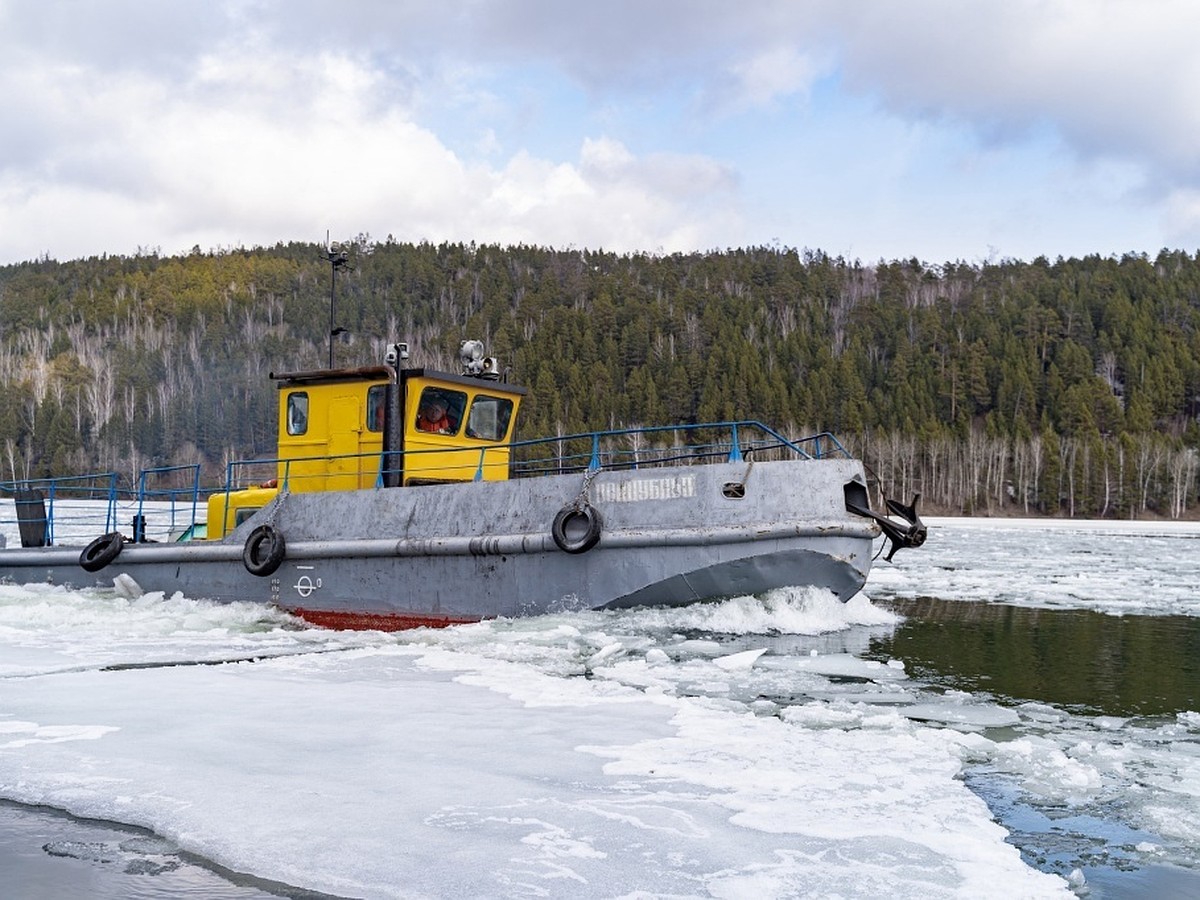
{"x":636,"y":490}
{"x":305,"y":586}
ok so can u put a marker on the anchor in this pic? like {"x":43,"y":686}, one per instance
{"x":902,"y":536}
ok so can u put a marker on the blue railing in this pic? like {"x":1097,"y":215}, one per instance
{"x":166,"y":501}
{"x":75,"y":502}
{"x":667,"y":445}
{"x":173,"y":501}
{"x":615,"y":449}
{"x":51,"y":510}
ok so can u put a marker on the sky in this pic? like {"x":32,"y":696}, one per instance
{"x":937,"y":129}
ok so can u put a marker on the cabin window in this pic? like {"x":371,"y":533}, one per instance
{"x":489,"y":418}
{"x":241,"y":515}
{"x":375,"y":407}
{"x":297,"y":413}
{"x":440,"y":410}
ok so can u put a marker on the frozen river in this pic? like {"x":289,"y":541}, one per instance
{"x":1012,"y":711}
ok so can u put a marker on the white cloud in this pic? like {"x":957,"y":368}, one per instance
{"x":778,"y":71}
{"x":670,"y":175}
{"x":1114,"y":78}
{"x":611,"y":199}
{"x":255,"y":149}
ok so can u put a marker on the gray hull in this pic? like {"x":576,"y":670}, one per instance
{"x":449,"y":553}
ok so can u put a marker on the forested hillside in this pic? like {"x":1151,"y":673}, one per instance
{"x":1066,"y":388}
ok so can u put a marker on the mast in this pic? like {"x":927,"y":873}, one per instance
{"x":338,"y":259}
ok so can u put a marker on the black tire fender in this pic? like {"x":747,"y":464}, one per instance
{"x":100,"y":552}
{"x":264,"y":551}
{"x":577,"y":528}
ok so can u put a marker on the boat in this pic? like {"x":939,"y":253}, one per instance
{"x":400,"y":497}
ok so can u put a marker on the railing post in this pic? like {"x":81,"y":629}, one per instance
{"x":140,"y":518}
{"x":114,"y":500}
{"x":225,"y":529}
{"x":195,"y":493}
{"x":479,"y":471}
{"x":595,"y":461}
{"x":735,"y":451}
{"x":50,"y":518}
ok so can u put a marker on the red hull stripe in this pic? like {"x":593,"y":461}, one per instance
{"x":377,"y":621}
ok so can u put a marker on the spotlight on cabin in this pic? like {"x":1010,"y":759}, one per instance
{"x":470,"y":354}
{"x":396,"y":354}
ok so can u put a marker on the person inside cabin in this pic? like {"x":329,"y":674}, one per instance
{"x":433,"y":417}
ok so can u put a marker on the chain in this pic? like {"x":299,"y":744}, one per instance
{"x":276,"y":506}
{"x":582,"y":500}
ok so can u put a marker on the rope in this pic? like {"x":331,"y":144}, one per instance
{"x":749,"y":469}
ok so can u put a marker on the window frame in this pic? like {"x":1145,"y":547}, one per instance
{"x":376,"y":403}
{"x":456,"y":403}
{"x":502,"y":403}
{"x":297,"y":417}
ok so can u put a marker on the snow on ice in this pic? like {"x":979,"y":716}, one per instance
{"x":682,"y":753}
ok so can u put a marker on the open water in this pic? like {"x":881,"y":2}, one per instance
{"x":1066,"y":660}
{"x":1068,"y":669}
